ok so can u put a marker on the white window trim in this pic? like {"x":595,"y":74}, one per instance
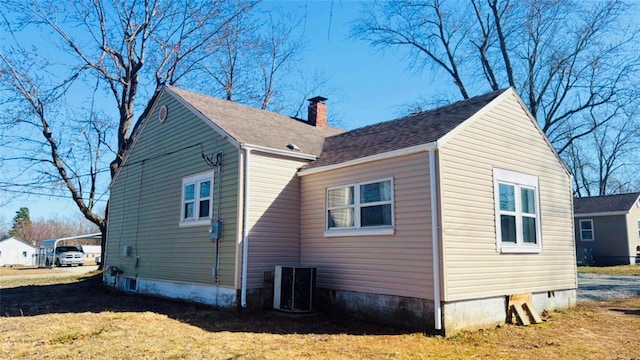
{"x":508,"y":177}
{"x":357,"y":230}
{"x":195,"y":179}
{"x":593,"y":237}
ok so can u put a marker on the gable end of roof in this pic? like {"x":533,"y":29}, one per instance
{"x":416,"y":129}
{"x":619,"y":203}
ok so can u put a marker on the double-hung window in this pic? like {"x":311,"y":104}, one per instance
{"x":360,"y":209}
{"x":517,"y":212}
{"x":196,"y":204}
{"x":586,"y":230}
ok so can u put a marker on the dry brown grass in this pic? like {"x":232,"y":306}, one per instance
{"x":81,"y":319}
{"x":26,"y":270}
{"x":627,"y":270}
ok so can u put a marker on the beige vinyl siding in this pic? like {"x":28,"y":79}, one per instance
{"x":632,"y":225}
{"x":274,"y":215}
{"x":399,"y":264}
{"x":146,"y":197}
{"x":502,"y":137}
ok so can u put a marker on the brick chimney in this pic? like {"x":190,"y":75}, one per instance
{"x":317,"y":112}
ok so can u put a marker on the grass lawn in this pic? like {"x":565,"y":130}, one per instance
{"x":629,"y":270}
{"x":79,"y":318}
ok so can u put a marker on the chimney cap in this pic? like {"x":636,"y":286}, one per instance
{"x":317,"y":99}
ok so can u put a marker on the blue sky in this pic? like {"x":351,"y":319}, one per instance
{"x":370,"y":86}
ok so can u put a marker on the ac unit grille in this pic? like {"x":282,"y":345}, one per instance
{"x":294,"y":288}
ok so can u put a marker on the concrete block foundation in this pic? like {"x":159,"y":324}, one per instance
{"x":205,"y":294}
{"x":409,"y":313}
{"x":490,"y":312}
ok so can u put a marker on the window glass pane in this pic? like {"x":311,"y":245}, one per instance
{"x":508,"y":226}
{"x":188,"y":210}
{"x":529,"y":230}
{"x":528,"y":201}
{"x":375,"y":192}
{"x":585,"y":225}
{"x":375,"y":215}
{"x":205,"y":189}
{"x":507,"y":197}
{"x":340,"y":218}
{"x":586,"y":235}
{"x":204,"y":209}
{"x":340,"y":197}
{"x":189,"y":192}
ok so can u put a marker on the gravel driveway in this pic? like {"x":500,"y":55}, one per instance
{"x":604,"y":287}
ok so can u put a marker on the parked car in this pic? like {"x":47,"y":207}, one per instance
{"x":68,"y":255}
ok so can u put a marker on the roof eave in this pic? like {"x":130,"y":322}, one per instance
{"x":377,"y":157}
{"x":268,"y":150}
{"x":601,"y":213}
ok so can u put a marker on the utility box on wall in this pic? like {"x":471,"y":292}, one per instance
{"x":294,"y":288}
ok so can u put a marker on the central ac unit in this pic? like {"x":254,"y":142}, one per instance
{"x":294,"y":288}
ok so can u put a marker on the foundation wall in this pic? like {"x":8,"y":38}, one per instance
{"x":205,"y":294}
{"x":490,"y":312}
{"x":410,"y":313}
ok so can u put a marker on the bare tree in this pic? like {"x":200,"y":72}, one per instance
{"x":252,"y":63}
{"x":230,"y":63}
{"x":276,"y":51}
{"x":610,"y":167}
{"x":567,"y":59}
{"x":95,"y":49}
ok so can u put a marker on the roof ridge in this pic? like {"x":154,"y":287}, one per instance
{"x":441,"y":107}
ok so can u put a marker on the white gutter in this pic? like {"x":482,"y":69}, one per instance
{"x":245,"y":228}
{"x":604,"y":213}
{"x":273,"y":151}
{"x":366,"y":159}
{"x":435,"y":237}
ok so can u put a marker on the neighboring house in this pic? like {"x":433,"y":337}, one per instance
{"x":91,"y":253}
{"x":607,"y":229}
{"x":429,"y":221}
{"x":14,"y":251}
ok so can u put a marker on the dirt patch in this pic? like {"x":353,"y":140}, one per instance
{"x":81,"y":318}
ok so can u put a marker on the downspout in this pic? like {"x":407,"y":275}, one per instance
{"x":435,"y":237}
{"x":245,"y":228}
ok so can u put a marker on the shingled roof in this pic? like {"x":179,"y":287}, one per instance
{"x":251,"y":126}
{"x":412,"y":130}
{"x":605,"y":204}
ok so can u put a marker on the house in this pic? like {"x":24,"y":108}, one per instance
{"x":91,"y":253}
{"x":429,"y":221}
{"x":607,"y":229}
{"x":14,"y":251}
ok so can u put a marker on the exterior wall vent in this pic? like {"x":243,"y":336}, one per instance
{"x":294,"y":288}
{"x":131,"y":284}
